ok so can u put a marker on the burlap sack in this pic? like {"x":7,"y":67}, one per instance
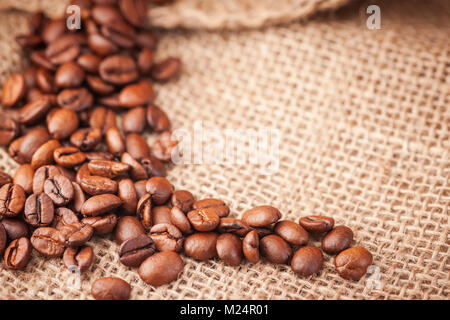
{"x":364,"y":120}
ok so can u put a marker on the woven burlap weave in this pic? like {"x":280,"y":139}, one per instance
{"x":364,"y":119}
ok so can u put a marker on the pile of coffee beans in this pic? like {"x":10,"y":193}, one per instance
{"x":81,"y":175}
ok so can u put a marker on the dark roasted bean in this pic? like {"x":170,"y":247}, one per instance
{"x":78,"y":258}
{"x":160,"y":190}
{"x":134,"y":251}
{"x":62,"y":123}
{"x":59,"y":189}
{"x":161,"y":214}
{"x":44,"y":155}
{"x":102,"y":118}
{"x":275,"y":249}
{"x":154,"y":167}
{"x":137,"y":94}
{"x":107,"y":168}
{"x":12,"y":200}
{"x":102,"y":224}
{"x":34,"y":111}
{"x":127,"y":193}
{"x":31,"y":142}
{"x":9,"y":130}
{"x":15,"y":229}
{"x":141,"y":188}
{"x":145,"y":61}
{"x":86,"y":139}
{"x":3,"y":239}
{"x":64,"y":217}
{"x":89,"y":62}
{"x":134,"y":11}
{"x":166,"y":69}
{"x":69,"y":157}
{"x":13,"y":90}
{"x":76,"y":234}
{"x":179,"y":219}
{"x":167,"y":237}
{"x":136,"y":146}
{"x":183,"y":199}
{"x":317,"y":224}
{"x":69,"y":75}
{"x":46,"y":241}
{"x":18,"y":254}
{"x":65,"y":48}
{"x":77,"y":99}
{"x":144,"y":211}
{"x":118,"y":70}
{"x":6,"y":178}
{"x":229,"y":249}
{"x":42,"y":174}
{"x":39,"y":210}
{"x":99,"y":86}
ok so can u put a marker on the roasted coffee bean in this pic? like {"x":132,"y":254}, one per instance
{"x":133,"y":252}
{"x":157,"y":119}
{"x":134,"y":121}
{"x":178,"y":218}
{"x":216,"y":205}
{"x":35,"y":111}
{"x":65,"y":48}
{"x":127,"y":228}
{"x":167,"y":237}
{"x":250,"y":246}
{"x":78,"y":258}
{"x":12,"y":200}
{"x":165,"y":147}
{"x":79,"y":198}
{"x":275,"y":249}
{"x":145,"y":61}
{"x":307,"y":261}
{"x":46,"y":241}
{"x":115,"y":142}
{"x":15,"y":229}
{"x":59,"y":189}
{"x":99,"y":155}
{"x":75,"y":235}
{"x":201,"y":246}
{"x":86,"y":139}
{"x":161,"y":268}
{"x":204,"y":219}
{"x":42,"y":174}
{"x":352,"y":263}
{"x":102,"y":118}
{"x":77,"y":99}
{"x":317,"y":224}
{"x":44,"y":155}
{"x":120,"y":33}
{"x":141,"y":188}
{"x":232,"y":225}
{"x":62,"y":123}
{"x":3,"y":239}
{"x":110,"y":289}
{"x":64,"y":217}
{"x":107,"y":168}
{"x":96,"y":185}
{"x":31,"y":142}
{"x":105,"y":14}
{"x":6,"y":178}
{"x":137,"y":94}
{"x":101,"y":45}
{"x":69,"y":157}
{"x":127,"y":193}
{"x":13,"y":90}
{"x":229,"y":249}
{"x":24,"y":178}
{"x":160,"y":190}
{"x":39,"y":59}
{"x":146,"y":39}
{"x":136,"y":146}
{"x":101,"y":204}
{"x":18,"y":254}
{"x":118,"y":70}
{"x":161,"y":214}
{"x":29,"y":41}
{"x":68,"y":173}
{"x":166,"y":69}
{"x":144,"y":211}
{"x":102,"y":225}
{"x":261,"y":216}
{"x":14,"y":151}
{"x":262,"y":232}
{"x":99,"y":86}
{"x":89,"y":62}
{"x":111,"y":101}
{"x":9,"y":130}
{"x":39,"y":210}
{"x":291,"y":232}
{"x":154,"y":167}
{"x":134,"y":11}
{"x":45,"y":81}
{"x":69,"y":75}
{"x":53,"y":30}
{"x":338,"y":239}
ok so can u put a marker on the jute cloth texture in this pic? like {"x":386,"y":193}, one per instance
{"x":364,"y":121}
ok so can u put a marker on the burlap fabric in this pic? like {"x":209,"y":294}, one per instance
{"x":364,"y":120}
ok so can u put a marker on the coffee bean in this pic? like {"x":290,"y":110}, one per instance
{"x":99,"y":86}
{"x":307,"y":261}
{"x":86,"y":139}
{"x":204,"y":219}
{"x":24,"y":178}
{"x":9,"y":130}
{"x":120,"y":33}
{"x":154,"y":167}
{"x":13,"y":90}
{"x":178,"y":218}
{"x":42,"y":174}
{"x":144,"y":211}
{"x":141,"y":188}
{"x":127,"y":193}
{"x":46,"y":241}
{"x":3,"y":239}
{"x":78,"y":258}
{"x":262,"y":232}
{"x":29,"y":41}
{"x":65,"y":48}
{"x":53,"y":30}
{"x":95,"y":185}
{"x":69,"y":75}
{"x":317,"y":224}
{"x":127,"y":228}
{"x":134,"y":121}
{"x":232,"y":225}
{"x":161,"y":268}
{"x":134,"y":11}
{"x":338,"y":239}
{"x":31,"y":142}
{"x":62,"y":123}
{"x":18,"y":254}
{"x":111,"y":101}
{"x":110,"y":289}
{"x":64,"y":217}
{"x":75,"y":235}
{"x":15,"y":229}
{"x":261,"y":216}
{"x":14,"y":151}
{"x":102,"y":118}
{"x":39,"y":59}
{"x":157,"y":119}
{"x":275,"y":249}
{"x":134,"y":251}
{"x":44,"y":154}
{"x":101,"y":204}
{"x":39,"y":210}
{"x":115,"y":142}
{"x":107,"y":168}
{"x":352,"y":263}
{"x":77,"y":99}
{"x":216,"y":205}
{"x":6,"y":178}
{"x":105,"y":14}
{"x":118,"y":70}
{"x":167,"y":237}
{"x":146,"y":39}
{"x":229,"y":249}
{"x":161,"y":214}
{"x":101,"y":45}
{"x":145,"y":61}
{"x":138,"y":94}
{"x":69,"y":157}
{"x":166,"y":69}
{"x":201,"y":246}
{"x":291,"y":232}
{"x":183,"y":199}
{"x":136,"y":146}
{"x":98,"y":155}
{"x":160,"y":190}
{"x":79,"y":198}
{"x":12,"y":200}
{"x":102,"y":225}
{"x":165,"y":147}
{"x":45,"y":81}
{"x":34,"y":111}
{"x":59,"y":189}
{"x":250,"y":246}
{"x":89,"y":62}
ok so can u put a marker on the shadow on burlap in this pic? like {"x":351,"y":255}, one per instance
{"x":364,"y":120}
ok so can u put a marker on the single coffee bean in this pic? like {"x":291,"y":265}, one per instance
{"x":53,"y":29}
{"x":120,"y":33}
{"x":275,"y":249}
{"x":307,"y":261}
{"x":97,"y":85}
{"x":79,"y":198}
{"x":39,"y":59}
{"x":6,"y":178}
{"x":9,"y":130}
{"x":95,"y":185}
{"x":69,"y":75}
{"x":59,"y":189}
{"x":44,"y":155}
{"x":98,"y":205}
{"x":62,"y":123}
{"x":69,"y":157}
{"x":3,"y":239}
{"x":110,"y":289}
{"x":39,"y":210}
{"x":127,"y":228}
{"x":41,"y":175}
{"x":146,"y":39}
{"x":118,"y":70}
{"x":183,"y":199}
{"x":33,"y":112}
{"x":352,"y":263}
{"x":234,"y":226}
{"x":14,"y":151}
{"x":78,"y":258}
{"x":12,"y":200}
{"x":18,"y":254}
{"x":127,"y":193}
{"x":157,"y":119}
{"x":31,"y":142}
{"x":134,"y":251}
{"x":154,"y":167}
{"x":102,"y":118}
{"x":89,"y":62}
{"x":102,"y":225}
{"x":46,"y":241}
{"x":86,"y":139}
{"x":64,"y":49}
{"x":141,"y":188}
{"x":101,"y":45}
{"x":99,"y":155}
{"x":15,"y":229}
{"x":165,"y":146}
{"x":13,"y":90}
{"x":136,"y":146}
{"x":115,"y":142}
{"x":134,"y":11}
{"x":161,"y":214}
{"x":107,"y":168}
{"x":178,"y":218}
{"x":166,"y":69}
{"x":216,"y":205}
{"x":167,"y":237}
{"x":134,"y":121}
{"x":45,"y":81}
{"x":160,"y":190}
{"x":77,"y":99}
{"x":144,"y":211}
{"x":24,"y":178}
{"x":161,"y":268}
{"x":111,"y":101}
{"x":338,"y":239}
{"x":201,"y":246}
{"x":75,"y":235}
{"x":145,"y":61}
{"x":104,"y":13}
{"x":261,"y":216}
{"x":137,"y":171}
{"x":291,"y":232}
{"x":250,"y":246}
{"x":137,"y":94}
{"x":204,"y":219}
{"x":317,"y":224}
{"x":64,"y":217}
{"x":229,"y":249}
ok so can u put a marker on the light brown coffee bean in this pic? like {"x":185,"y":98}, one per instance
{"x":134,"y":11}
{"x":97,"y":85}
{"x":18,"y":254}
{"x":12,"y":200}
{"x":229,"y":249}
{"x":144,"y":211}
{"x":115,"y":142}
{"x":13,"y":90}
{"x":64,"y":217}
{"x":141,"y":188}
{"x":338,"y":239}
{"x":167,"y":237}
{"x":127,"y":193}
{"x":134,"y":121}
{"x":178,"y":218}
{"x":15,"y":229}
{"x":204,"y":219}
{"x":137,"y":94}
{"x":250,"y":246}
{"x":291,"y":232}
{"x":6,"y":178}
{"x":89,"y":62}
{"x":352,"y":263}
{"x":165,"y":147}
{"x":80,"y":258}
{"x":29,"y":144}
{"x":75,"y":235}
{"x":59,"y":189}
{"x":261,"y":216}
{"x":110,"y":289}
{"x":33,"y":112}
{"x":9,"y":130}
{"x":41,"y":175}
{"x":157,"y":119}
{"x":275,"y":249}
{"x":118,"y":70}
{"x":145,"y":61}
{"x":166,"y":69}
{"x":86,"y":139}
{"x":45,"y":81}
{"x":161,"y":214}
{"x":307,"y":261}
{"x":234,"y":226}
{"x":101,"y":204}
{"x":182,"y":199}
{"x":75,"y":99}
{"x":102,"y":118}
{"x":201,"y":246}
{"x":216,"y":205}
{"x":102,"y":224}
{"x":134,"y":251}
{"x":62,"y":123}
{"x":46,"y":241}
{"x":154,"y":167}
{"x":39,"y":210}
{"x":127,"y":228}
{"x":317,"y":224}
{"x":44,"y":154}
{"x":160,"y":190}
{"x":24,"y":178}
{"x":68,"y":157}
{"x":69,"y":75}
{"x":108,"y":168}
{"x":161,"y":268}
{"x":136,"y":146}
